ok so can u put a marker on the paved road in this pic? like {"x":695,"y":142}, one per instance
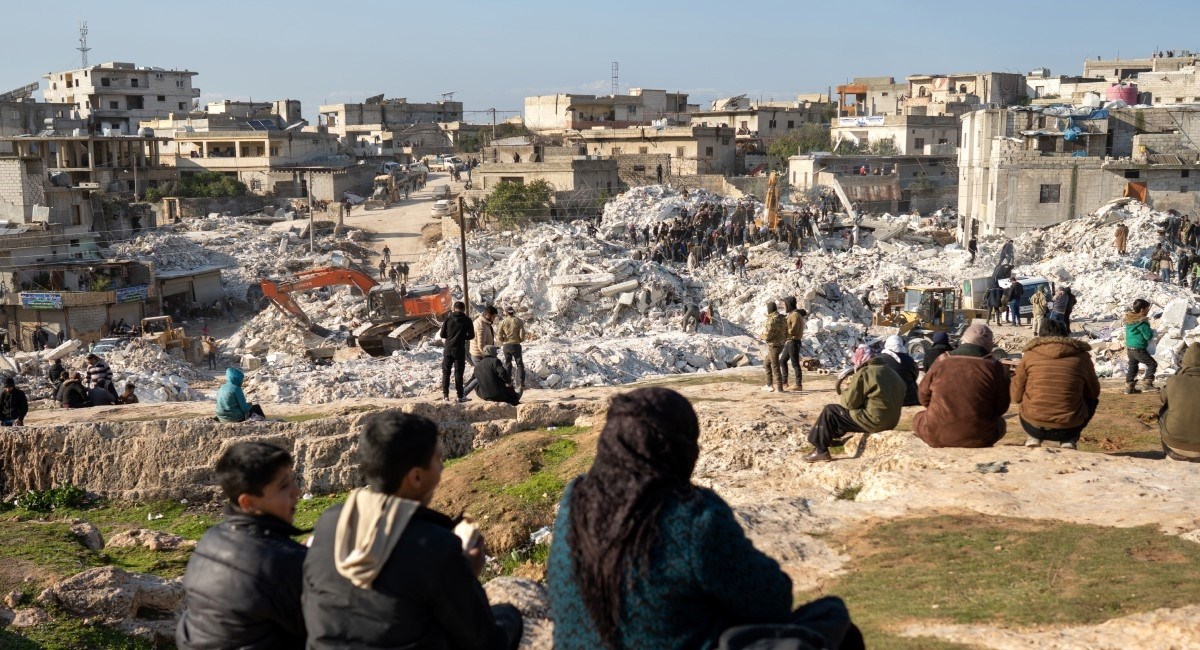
{"x":399,"y":226}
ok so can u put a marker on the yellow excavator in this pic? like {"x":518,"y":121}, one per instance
{"x":772,"y":201}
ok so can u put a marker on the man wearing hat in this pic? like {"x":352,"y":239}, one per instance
{"x":871,"y":403}
{"x":495,"y":384}
{"x":510,"y":335}
{"x":965,"y":395}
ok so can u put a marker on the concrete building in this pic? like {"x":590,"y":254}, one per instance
{"x":908,"y":134}
{"x":1125,"y":69}
{"x":267,"y":161}
{"x":557,"y":114}
{"x":116,"y":97}
{"x":763,"y":120}
{"x":392,"y":128}
{"x":892,"y":184}
{"x":288,"y":111}
{"x":1021,"y":170}
{"x":871,"y":96}
{"x":580,"y":184}
{"x":955,"y":94}
{"x":693,"y":149}
{"x":69,"y":180}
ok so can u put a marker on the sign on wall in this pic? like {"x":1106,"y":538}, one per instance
{"x":133,"y":294}
{"x":41,"y":300}
{"x":866,"y":120}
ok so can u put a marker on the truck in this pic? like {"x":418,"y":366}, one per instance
{"x":395,"y":318}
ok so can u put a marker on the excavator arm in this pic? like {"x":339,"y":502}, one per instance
{"x":772,"y":201}
{"x":280,"y":292}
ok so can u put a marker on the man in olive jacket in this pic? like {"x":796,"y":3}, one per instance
{"x":1179,"y":420}
{"x":871,"y":404}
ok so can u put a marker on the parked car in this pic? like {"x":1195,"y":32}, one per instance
{"x":452,"y":163}
{"x":418,"y":168}
{"x":442,"y":208}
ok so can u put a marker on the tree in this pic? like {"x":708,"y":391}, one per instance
{"x":515,"y":204}
{"x":883,"y":147}
{"x":202,"y":185}
{"x":806,"y":139}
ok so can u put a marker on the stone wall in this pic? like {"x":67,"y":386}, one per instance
{"x":237,"y":205}
{"x":174,"y":458}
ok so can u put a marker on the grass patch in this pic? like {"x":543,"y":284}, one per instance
{"x":523,"y":562}
{"x":48,"y":545}
{"x":557,"y":452}
{"x":70,"y":634}
{"x":309,"y":510}
{"x":1011,"y":573}
{"x":540,"y":487}
{"x":849,"y":493}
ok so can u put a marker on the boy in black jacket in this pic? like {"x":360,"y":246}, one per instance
{"x":457,"y":329}
{"x":386,"y":571}
{"x":243,"y":582}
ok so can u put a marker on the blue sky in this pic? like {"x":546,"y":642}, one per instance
{"x":494,"y":54}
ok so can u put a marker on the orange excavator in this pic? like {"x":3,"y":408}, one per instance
{"x":395,"y":319}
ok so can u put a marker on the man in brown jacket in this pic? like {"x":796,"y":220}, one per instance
{"x":1179,"y":420}
{"x":1056,"y":386}
{"x":965,"y":395}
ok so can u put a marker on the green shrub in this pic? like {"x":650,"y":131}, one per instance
{"x":63,"y":497}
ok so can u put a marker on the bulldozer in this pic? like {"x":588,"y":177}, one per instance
{"x":395,"y":319}
{"x":917,"y":312}
{"x":161,"y":331}
{"x":386,"y":190}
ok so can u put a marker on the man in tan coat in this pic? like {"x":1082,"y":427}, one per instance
{"x":1056,"y":387}
{"x":1122,"y":238}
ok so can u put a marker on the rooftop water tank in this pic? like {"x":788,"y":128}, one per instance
{"x":1125,"y":92}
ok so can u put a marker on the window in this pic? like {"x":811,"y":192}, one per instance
{"x":162,"y":98}
{"x":158,"y":75}
{"x":1133,"y":173}
{"x":725,"y":141}
{"x":708,"y":152}
{"x":183,"y":106}
{"x":771,"y":124}
{"x":883,"y":94}
{"x":919,"y":143}
{"x":679,"y":152}
{"x":632,"y":110}
{"x":643,"y":149}
{"x":616,"y":151}
{"x":133,"y":83}
{"x":1178,"y":100}
{"x":941,"y":140}
{"x":1183,"y":189}
{"x":1183,"y":173}
{"x":639,"y":169}
{"x":791,"y":124}
{"x":105,"y":81}
{"x":744,"y":123}
{"x":1049,"y":193}
{"x":112,"y":105}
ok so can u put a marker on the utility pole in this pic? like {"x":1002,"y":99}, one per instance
{"x":312,"y":223}
{"x":462,"y":247}
{"x":493,"y":123}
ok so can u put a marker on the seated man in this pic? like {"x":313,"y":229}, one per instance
{"x":14,"y":406}
{"x":871,"y":403}
{"x":965,"y":395}
{"x":941,"y":345}
{"x":386,"y":571}
{"x":1179,"y":420}
{"x":128,"y":396}
{"x":898,"y":359}
{"x":72,"y":394}
{"x":1056,"y":386}
{"x":231,"y":401}
{"x":242,"y":586}
{"x":495,"y":384}
{"x":100,"y":395}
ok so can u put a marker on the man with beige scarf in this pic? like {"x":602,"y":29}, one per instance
{"x":385,"y":570}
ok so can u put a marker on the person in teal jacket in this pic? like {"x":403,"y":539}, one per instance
{"x":231,"y":401}
{"x":1138,"y":335}
{"x":641,"y":558}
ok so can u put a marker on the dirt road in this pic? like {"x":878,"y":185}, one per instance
{"x":399,"y":226}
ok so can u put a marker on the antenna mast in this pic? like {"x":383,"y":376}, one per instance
{"x":83,"y":46}
{"x":616,"y":87}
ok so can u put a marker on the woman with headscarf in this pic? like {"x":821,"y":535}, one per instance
{"x":644,"y":559}
{"x":871,"y":403}
{"x":898,"y":359}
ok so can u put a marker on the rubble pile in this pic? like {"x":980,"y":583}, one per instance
{"x":272,"y":332}
{"x":650,"y":204}
{"x":156,"y":375}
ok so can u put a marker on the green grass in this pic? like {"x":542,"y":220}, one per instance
{"x":309,"y":510}
{"x":70,"y":634}
{"x":1010,"y":573}
{"x":557,"y":452}
{"x":110,"y":516}
{"x":538,"y":488}
{"x":48,"y":545}
{"x":508,"y":563}
{"x":849,"y":493}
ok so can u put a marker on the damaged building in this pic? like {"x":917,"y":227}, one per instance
{"x":117,"y":97}
{"x":891,"y":184}
{"x":392,"y":128}
{"x":566,"y":112}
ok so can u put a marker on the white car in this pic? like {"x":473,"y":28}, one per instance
{"x":442,"y":208}
{"x":452,"y":163}
{"x":418,"y":168}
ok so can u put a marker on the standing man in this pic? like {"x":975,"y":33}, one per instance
{"x":404,"y":272}
{"x":456,"y":331}
{"x":387,"y":254}
{"x":382,"y":270}
{"x":1122,"y":238}
{"x":1015,"y":292}
{"x":98,"y":372}
{"x":1038,"y":302}
{"x":1006,"y":253}
{"x":658,"y":172}
{"x":775,"y":335}
{"x":973,"y":248}
{"x":791,"y":349}
{"x":394,"y":274}
{"x":484,"y":334}
{"x":510,"y":335}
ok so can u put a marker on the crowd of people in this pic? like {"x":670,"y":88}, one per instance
{"x":92,"y":387}
{"x":641,"y":557}
{"x":464,"y":340}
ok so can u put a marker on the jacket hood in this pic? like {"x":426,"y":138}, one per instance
{"x":234,"y":376}
{"x":1057,"y":347}
{"x":368,"y":528}
{"x":1191,"y":358}
{"x":1132,"y":318}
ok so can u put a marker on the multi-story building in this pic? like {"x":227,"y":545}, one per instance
{"x":880,"y":183}
{"x":564,"y":112}
{"x":1125,"y":69}
{"x":267,"y":159}
{"x":955,"y":94}
{"x":871,"y":96}
{"x":1026,"y":169}
{"x":692,"y":149}
{"x":898,"y":134}
{"x":116,"y":97}
{"x":387,"y":127}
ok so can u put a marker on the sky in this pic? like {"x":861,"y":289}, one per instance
{"x":492,"y":55}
